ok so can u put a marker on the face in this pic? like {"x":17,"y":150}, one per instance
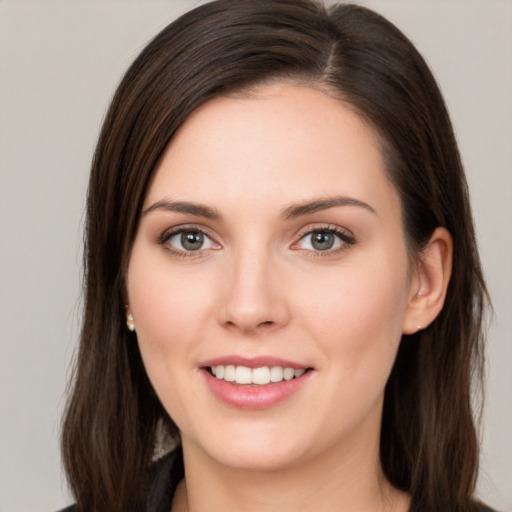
{"x":269,"y":279}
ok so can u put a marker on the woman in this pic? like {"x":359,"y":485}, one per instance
{"x":281,"y":275}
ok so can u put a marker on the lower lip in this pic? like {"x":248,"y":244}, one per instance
{"x":254,"y":397}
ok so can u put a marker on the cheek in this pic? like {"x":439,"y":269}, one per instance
{"x":357,"y":327}
{"x":168,"y":305}
{"x":169,"y":308}
{"x":358,"y":322}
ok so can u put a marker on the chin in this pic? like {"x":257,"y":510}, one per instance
{"x":258,"y":460}
{"x":254,"y":451}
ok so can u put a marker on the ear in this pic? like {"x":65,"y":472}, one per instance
{"x":429,"y":282}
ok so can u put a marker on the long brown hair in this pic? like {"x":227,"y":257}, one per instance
{"x":429,"y":445}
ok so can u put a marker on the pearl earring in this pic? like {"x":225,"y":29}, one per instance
{"x":129,"y":322}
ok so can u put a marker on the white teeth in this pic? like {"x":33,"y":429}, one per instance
{"x":229,"y":373}
{"x":276,"y":374}
{"x":259,"y":376}
{"x":243,"y":375}
{"x":288,"y":373}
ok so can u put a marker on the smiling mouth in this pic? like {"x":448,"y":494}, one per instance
{"x":255,"y":376}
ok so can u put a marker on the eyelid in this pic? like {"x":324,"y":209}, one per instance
{"x":345,"y":235}
{"x":169,"y":233}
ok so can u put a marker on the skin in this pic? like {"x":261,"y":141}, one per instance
{"x":258,"y":287}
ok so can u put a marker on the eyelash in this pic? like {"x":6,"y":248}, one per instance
{"x":168,"y":235}
{"x":346,"y":239}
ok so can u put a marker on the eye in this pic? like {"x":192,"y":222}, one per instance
{"x":323,"y":240}
{"x":189,"y":240}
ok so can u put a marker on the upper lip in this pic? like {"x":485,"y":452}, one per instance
{"x":253,"y":362}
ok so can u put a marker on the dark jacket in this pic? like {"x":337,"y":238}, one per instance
{"x":163,"y":478}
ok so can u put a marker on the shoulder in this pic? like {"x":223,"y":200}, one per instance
{"x":162,"y":478}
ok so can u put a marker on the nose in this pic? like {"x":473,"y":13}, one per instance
{"x":253,"y":297}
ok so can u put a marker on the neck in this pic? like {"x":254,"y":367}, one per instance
{"x":352,"y":481}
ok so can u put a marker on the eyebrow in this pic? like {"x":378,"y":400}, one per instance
{"x":309,"y":207}
{"x":199,"y":210}
{"x":292,"y":212}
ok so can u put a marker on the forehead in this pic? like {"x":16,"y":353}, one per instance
{"x":281,"y":141}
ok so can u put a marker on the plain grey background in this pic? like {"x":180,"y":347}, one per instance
{"x":59,"y":64}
